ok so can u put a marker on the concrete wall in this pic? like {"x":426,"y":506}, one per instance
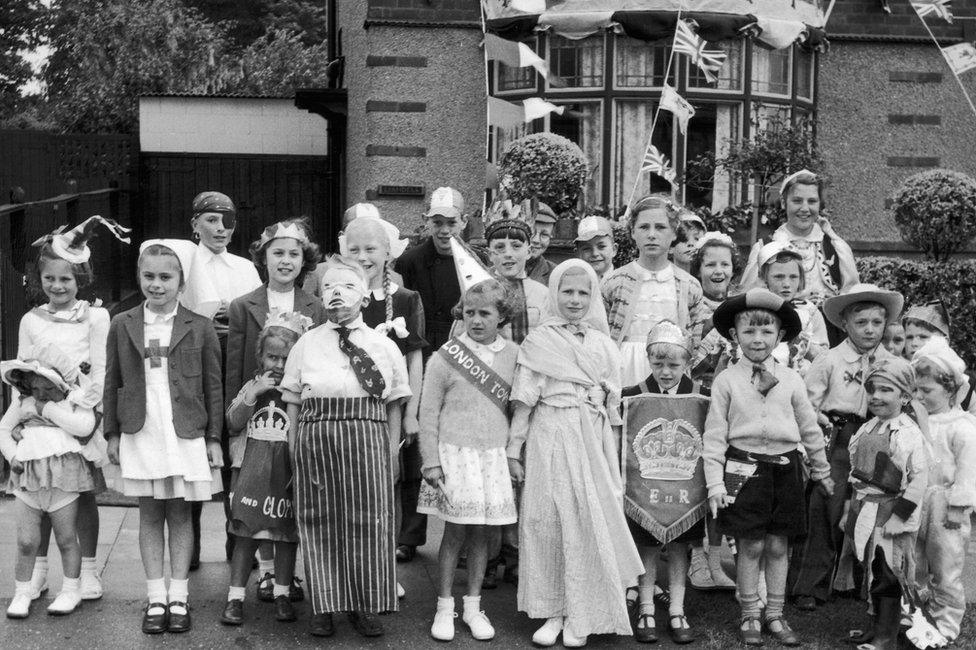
{"x":887,"y":111}
{"x":229,"y":125}
{"x":416,"y":109}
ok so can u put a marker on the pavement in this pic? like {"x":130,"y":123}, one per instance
{"x":113,"y":621}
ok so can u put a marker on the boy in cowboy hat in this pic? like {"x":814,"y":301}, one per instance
{"x":835,"y":384}
{"x":758,"y":416}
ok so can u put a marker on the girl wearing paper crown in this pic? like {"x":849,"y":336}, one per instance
{"x":283,"y":255}
{"x":575,"y":563}
{"x":261,"y":508}
{"x":52,"y":460}
{"x":397,"y":312}
{"x":926,"y":322}
{"x":78,"y":329}
{"x":163,"y":419}
{"x":828,"y":261}
{"x":345,"y":385}
{"x":951,"y":493}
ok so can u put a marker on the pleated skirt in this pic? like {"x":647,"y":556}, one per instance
{"x":344,"y":504}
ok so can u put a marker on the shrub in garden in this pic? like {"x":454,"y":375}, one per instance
{"x":544,"y":165}
{"x":920,"y":281}
{"x":936,"y":212}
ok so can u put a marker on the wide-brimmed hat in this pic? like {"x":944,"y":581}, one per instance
{"x":892,"y":301}
{"x":47,"y":361}
{"x":724,"y":316}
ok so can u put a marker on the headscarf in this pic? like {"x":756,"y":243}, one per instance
{"x":896,"y":371}
{"x":199,"y":293}
{"x":937,"y":351}
{"x":595,"y":317}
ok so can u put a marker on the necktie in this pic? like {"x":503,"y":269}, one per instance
{"x":762,"y":379}
{"x":362,"y":364}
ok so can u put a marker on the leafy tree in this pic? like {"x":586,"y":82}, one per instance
{"x":279,"y":62}
{"x":935,"y":211}
{"x":246,"y":22}
{"x":20,"y":30}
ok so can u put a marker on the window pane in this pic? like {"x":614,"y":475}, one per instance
{"x":771,"y":70}
{"x":632,"y":125}
{"x":639,"y":64}
{"x":514,"y":78}
{"x":765,"y":114}
{"x":709,"y":132}
{"x":584,"y":126}
{"x":804,"y":74}
{"x":729,"y":77}
{"x":578,"y":63}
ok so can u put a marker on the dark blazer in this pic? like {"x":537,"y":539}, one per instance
{"x":196,"y":392}
{"x":246,"y":316}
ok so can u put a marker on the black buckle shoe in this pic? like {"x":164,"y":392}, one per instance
{"x":179,"y":622}
{"x":266,"y":588}
{"x":366,"y":623}
{"x":155,"y":623}
{"x":295,"y":592}
{"x":321,"y":625}
{"x":233,"y":613}
{"x":284,"y":611}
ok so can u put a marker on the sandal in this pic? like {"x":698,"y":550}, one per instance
{"x":785,"y":635}
{"x":648,"y":633}
{"x":681,"y":633}
{"x":750,"y":631}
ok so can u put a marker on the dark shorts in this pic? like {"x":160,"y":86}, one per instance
{"x":770,"y":503}
{"x":645,"y":538}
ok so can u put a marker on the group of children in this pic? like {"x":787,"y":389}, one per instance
{"x":817,"y":459}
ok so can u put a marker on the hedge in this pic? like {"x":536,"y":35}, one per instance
{"x":921,"y":281}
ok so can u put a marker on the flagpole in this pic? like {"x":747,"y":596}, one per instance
{"x":657,"y":111}
{"x":484,"y":48}
{"x":962,"y":86}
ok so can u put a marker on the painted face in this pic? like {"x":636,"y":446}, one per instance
{"x":508,"y":257}
{"x":756,"y":341}
{"x":598,"y":253}
{"x":481,"y":319}
{"x":885,"y":400}
{"x":160,"y":281}
{"x":667,"y":369}
{"x":894,"y":339}
{"x":369,"y":250}
{"x":802,"y":206}
{"x":933,"y":395}
{"x":284,"y":258}
{"x":42,"y":388}
{"x":865,"y":327}
{"x":684,"y":251}
{"x":652,"y":233}
{"x":915,"y":337}
{"x":441,"y":230}
{"x":214,"y":229}
{"x":274,"y":354}
{"x":59,"y":284}
{"x":716,"y":271}
{"x":343,"y":293}
{"x":783,"y":278}
{"x":574,"y":295}
{"x":541,"y":237}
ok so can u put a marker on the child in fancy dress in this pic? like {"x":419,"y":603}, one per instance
{"x":925,"y":322}
{"x":889,"y":475}
{"x":575,"y":564}
{"x":464,"y":436}
{"x":79,"y":329}
{"x":52,"y":460}
{"x":714,"y":264}
{"x":163,"y":417}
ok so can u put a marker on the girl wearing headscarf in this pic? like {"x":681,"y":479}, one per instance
{"x":575,"y":565}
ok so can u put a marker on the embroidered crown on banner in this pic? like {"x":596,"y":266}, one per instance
{"x":668,"y":450}
{"x":270,"y":419}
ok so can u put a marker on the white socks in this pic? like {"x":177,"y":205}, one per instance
{"x":474,"y":618}
{"x":91,"y":585}
{"x":281,"y":590}
{"x":68,"y":600}
{"x":236,"y":593}
{"x":443,"y":626}
{"x":38,"y":579}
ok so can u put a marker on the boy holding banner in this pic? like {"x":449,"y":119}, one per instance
{"x":759,"y":414}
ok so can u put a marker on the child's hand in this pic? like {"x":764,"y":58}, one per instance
{"x":113,"y":450}
{"x":17,"y":433}
{"x":823,"y":421}
{"x":827,"y":485}
{"x":433,"y":476}
{"x":261,"y":385}
{"x":717,"y":502}
{"x":214,"y":454}
{"x":16,"y":466}
{"x":411,"y":429}
{"x":516,"y":471}
{"x":956,"y":516}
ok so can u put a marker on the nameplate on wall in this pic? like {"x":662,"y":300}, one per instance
{"x":400,"y":190}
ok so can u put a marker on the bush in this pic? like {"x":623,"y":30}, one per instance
{"x":920,"y":281}
{"x":936,"y":212}
{"x":544,"y":165}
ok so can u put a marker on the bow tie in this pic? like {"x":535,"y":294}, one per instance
{"x":762,"y":379}
{"x":398,"y":325}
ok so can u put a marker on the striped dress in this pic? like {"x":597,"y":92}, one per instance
{"x":343,"y":469}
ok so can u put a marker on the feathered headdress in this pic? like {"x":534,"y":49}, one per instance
{"x":504,"y":215}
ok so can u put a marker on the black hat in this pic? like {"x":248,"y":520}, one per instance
{"x":724,"y":316}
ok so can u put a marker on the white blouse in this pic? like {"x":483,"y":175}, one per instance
{"x":282,"y":300}
{"x":656,"y":301}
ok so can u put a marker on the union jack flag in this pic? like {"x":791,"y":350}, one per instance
{"x":687,"y":42}
{"x":938,"y":7}
{"x":657,"y":163}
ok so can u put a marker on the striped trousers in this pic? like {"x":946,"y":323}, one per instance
{"x":344,"y":504}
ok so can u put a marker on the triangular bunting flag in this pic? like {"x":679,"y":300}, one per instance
{"x":514,"y":55}
{"x":505,"y":114}
{"x":469,"y":270}
{"x":938,"y":7}
{"x":960,"y":57}
{"x":683,"y":111}
{"x":536,"y":107}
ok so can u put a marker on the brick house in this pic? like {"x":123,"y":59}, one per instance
{"x":414,"y":83}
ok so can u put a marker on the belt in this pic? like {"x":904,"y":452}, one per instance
{"x":840,"y":419}
{"x":750,"y":456}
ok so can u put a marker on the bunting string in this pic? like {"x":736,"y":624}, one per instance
{"x":960,"y":57}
